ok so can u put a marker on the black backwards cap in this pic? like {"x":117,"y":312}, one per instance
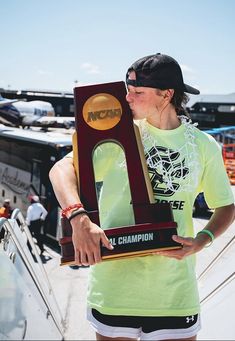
{"x":159,"y":71}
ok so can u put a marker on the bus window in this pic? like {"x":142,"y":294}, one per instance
{"x":36,"y":176}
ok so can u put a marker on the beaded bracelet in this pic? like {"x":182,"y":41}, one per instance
{"x":70,"y":208}
{"x":77,"y":212}
{"x":209,"y":233}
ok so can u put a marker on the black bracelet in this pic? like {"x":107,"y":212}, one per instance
{"x":75,"y":213}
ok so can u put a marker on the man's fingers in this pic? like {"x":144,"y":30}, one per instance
{"x":84,"y":258}
{"x":106,"y":242}
{"x":88,"y":251}
{"x":97,"y":256}
{"x":91,"y":259}
{"x":77,"y":258}
{"x":182,"y":240}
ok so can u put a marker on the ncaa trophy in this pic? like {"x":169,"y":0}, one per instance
{"x":102,"y":115}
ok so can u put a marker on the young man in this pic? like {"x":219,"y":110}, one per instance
{"x":6,"y":210}
{"x":153,"y":297}
{"x":35,"y":217}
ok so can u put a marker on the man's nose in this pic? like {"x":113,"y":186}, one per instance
{"x":129,"y":97}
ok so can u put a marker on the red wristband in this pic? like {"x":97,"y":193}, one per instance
{"x":70,"y":208}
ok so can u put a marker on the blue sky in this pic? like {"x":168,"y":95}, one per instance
{"x":55,"y":44}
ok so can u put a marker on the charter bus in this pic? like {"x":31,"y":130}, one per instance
{"x":26,"y":156}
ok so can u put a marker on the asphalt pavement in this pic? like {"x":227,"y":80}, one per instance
{"x":70,"y":286}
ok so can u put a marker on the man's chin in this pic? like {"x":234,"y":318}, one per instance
{"x":135,"y":116}
{"x":133,"y":112}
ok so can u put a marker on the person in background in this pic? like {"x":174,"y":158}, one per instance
{"x":153,"y":297}
{"x":6,"y":210}
{"x":35,"y":217}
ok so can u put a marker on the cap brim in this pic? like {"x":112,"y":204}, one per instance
{"x":189,"y":89}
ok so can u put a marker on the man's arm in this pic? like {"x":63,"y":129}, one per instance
{"x":44,"y":213}
{"x":86,"y":236}
{"x":65,"y":182}
{"x":219,"y":222}
{"x":28,"y":215}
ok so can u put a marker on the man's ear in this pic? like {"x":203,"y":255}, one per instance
{"x":169,"y":94}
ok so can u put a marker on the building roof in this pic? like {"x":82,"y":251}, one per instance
{"x":223,"y":99}
{"x":58,"y":137}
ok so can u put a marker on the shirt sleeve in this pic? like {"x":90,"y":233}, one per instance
{"x":44,"y":213}
{"x":216,"y":185}
{"x":28,"y":216}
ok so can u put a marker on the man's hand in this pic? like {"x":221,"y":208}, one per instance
{"x":220,"y":220}
{"x":189,"y":247}
{"x":87,"y":238}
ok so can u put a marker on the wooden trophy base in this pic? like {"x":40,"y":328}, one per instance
{"x":128,"y":241}
{"x":139,"y":240}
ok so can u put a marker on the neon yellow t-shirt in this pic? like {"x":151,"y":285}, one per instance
{"x":181,"y":163}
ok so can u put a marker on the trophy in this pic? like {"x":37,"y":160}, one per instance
{"x":103,"y":115}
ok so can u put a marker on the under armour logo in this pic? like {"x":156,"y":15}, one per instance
{"x":189,"y":318}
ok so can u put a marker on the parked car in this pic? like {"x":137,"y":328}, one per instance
{"x":200,"y":205}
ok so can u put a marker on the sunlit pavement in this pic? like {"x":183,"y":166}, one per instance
{"x":69,"y":286}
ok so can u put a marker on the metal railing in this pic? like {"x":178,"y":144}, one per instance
{"x":18,"y":236}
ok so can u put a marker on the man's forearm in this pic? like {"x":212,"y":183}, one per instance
{"x":221,"y":219}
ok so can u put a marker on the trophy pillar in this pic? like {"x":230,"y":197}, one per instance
{"x":103,"y":115}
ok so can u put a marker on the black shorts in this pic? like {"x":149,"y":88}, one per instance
{"x":144,"y":327}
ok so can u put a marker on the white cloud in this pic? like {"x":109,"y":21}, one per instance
{"x":90,"y":68}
